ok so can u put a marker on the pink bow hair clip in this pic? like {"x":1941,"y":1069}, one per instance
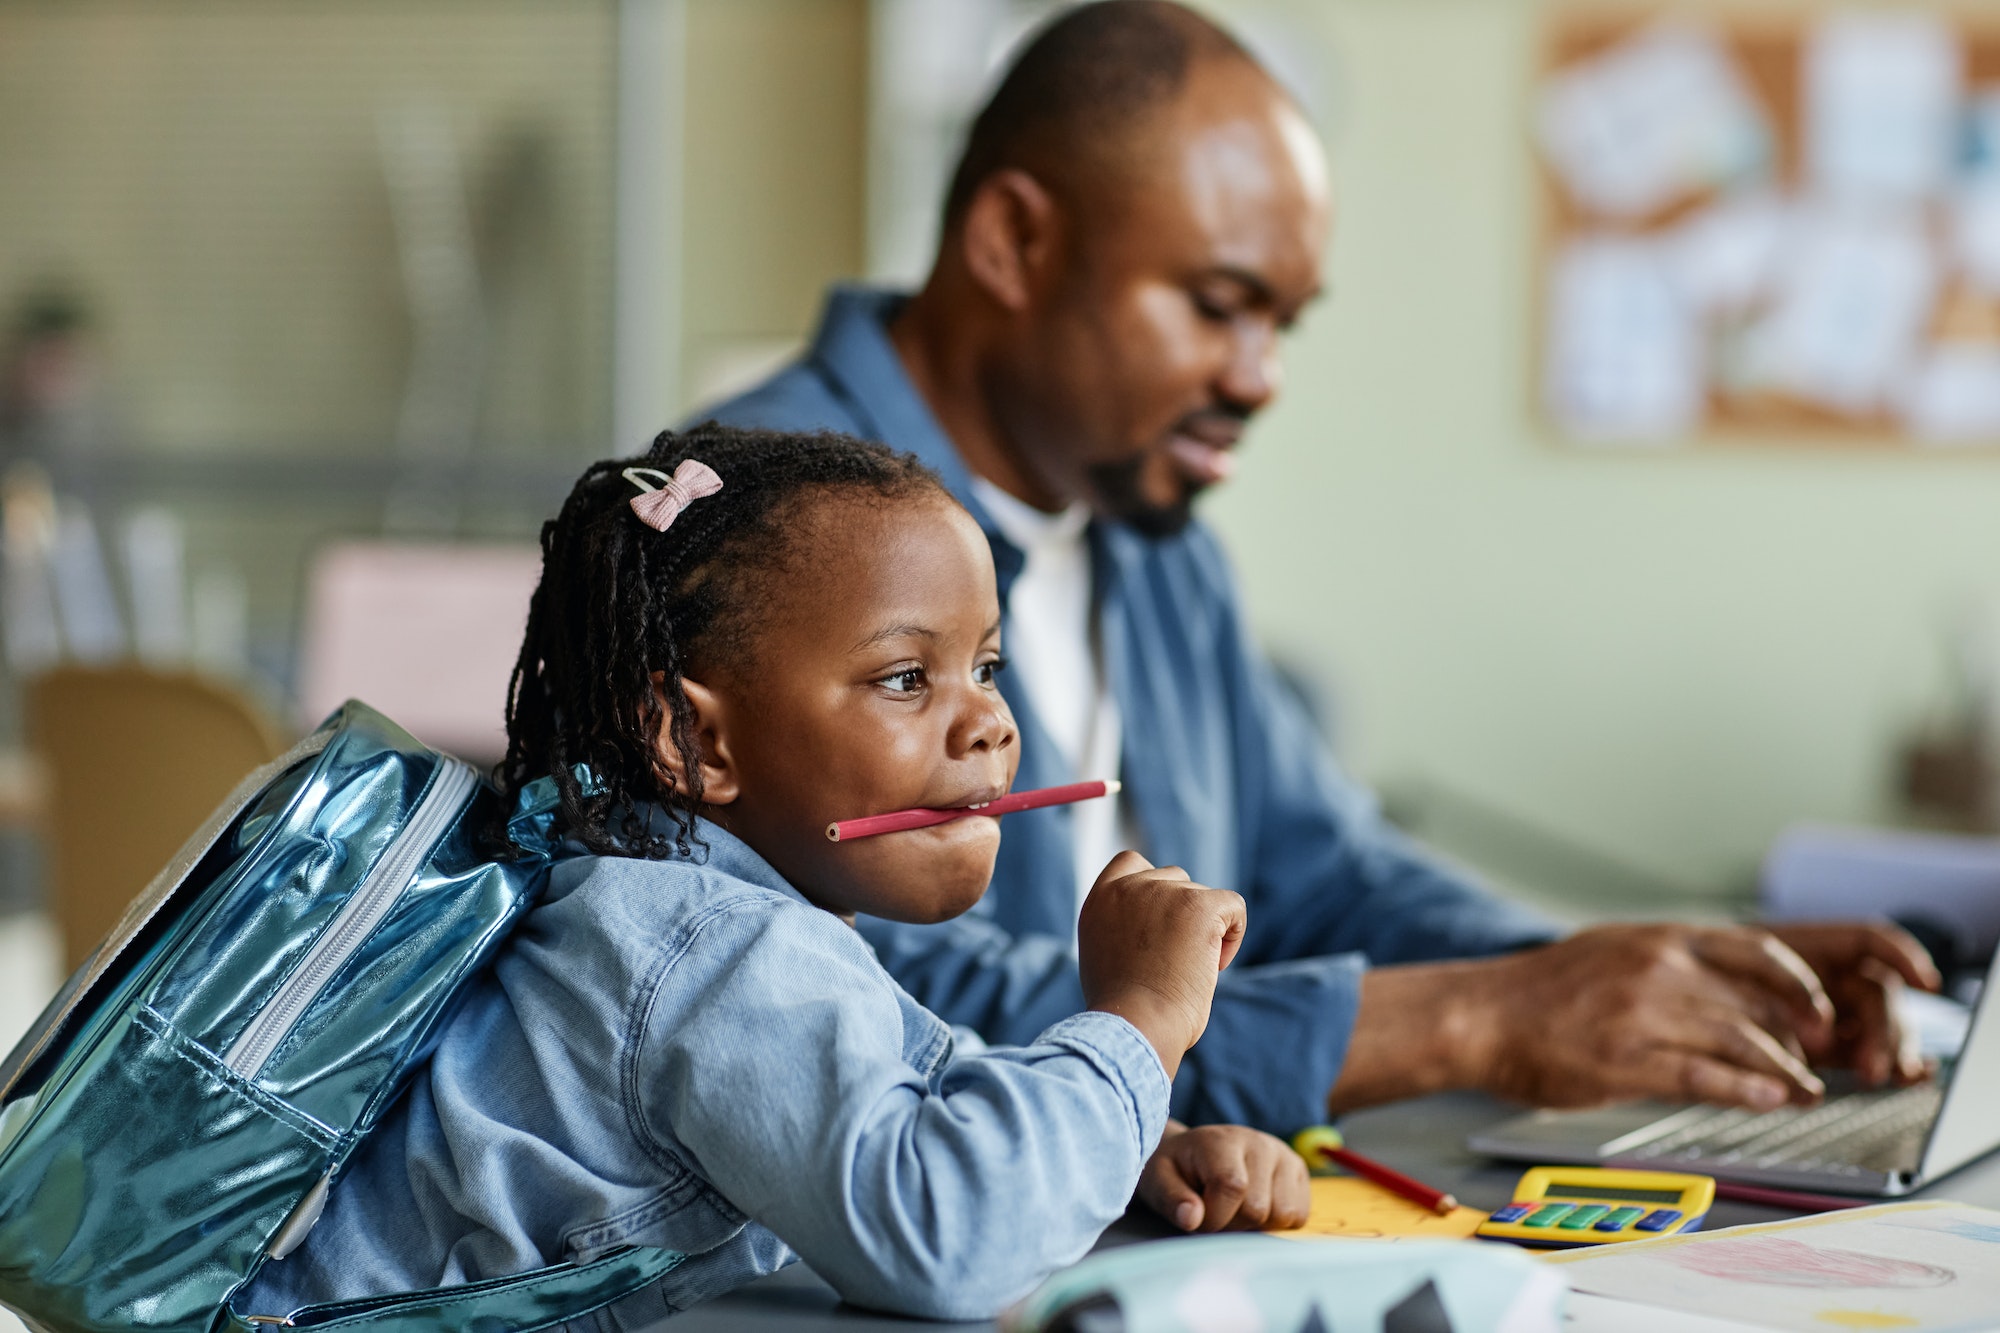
{"x":659,"y":504}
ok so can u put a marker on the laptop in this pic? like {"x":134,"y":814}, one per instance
{"x":1870,"y":1142}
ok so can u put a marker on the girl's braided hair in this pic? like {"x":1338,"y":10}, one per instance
{"x":619,"y":601}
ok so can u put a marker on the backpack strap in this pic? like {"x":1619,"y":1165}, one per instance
{"x":515,"y":1304}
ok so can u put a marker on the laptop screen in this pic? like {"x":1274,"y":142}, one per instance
{"x":1966,"y":1126}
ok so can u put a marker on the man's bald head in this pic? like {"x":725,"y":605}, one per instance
{"x":1138,"y":217}
{"x":1082,"y":90}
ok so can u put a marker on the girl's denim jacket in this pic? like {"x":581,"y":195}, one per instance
{"x":686,"y":1054}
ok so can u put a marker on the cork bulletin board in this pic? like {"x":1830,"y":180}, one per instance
{"x":1769,"y":226}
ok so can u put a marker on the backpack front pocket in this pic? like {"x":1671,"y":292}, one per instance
{"x":97,"y":1227}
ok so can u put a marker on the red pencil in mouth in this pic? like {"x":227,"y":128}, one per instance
{"x":846,"y":830}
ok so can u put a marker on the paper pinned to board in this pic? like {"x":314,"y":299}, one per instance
{"x":1973,"y":224}
{"x":1726,"y":257}
{"x":1660,"y":116}
{"x":1882,"y":100}
{"x":1980,"y":150}
{"x":1954,"y":394}
{"x":1625,"y":357}
{"x":1925,"y":1267}
{"x":1360,"y":1209}
{"x":1974,"y":231}
{"x":1854,"y":294}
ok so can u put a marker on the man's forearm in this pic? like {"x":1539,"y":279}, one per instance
{"x":1419,"y":1029}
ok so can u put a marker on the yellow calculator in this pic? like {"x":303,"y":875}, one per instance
{"x":1594,"y":1205}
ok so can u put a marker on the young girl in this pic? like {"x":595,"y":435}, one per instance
{"x":685,"y":1045}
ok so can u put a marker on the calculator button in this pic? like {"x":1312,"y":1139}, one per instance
{"x":1658,"y":1220}
{"x":1513,"y":1212}
{"x":1583,"y":1217}
{"x":1620,"y":1218}
{"x":1547,"y":1215}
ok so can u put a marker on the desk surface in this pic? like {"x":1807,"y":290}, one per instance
{"x":1425,"y":1138}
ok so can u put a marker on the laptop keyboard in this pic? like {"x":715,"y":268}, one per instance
{"x":1857,"y":1131}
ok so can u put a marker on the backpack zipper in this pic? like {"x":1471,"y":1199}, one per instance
{"x":357,"y":919}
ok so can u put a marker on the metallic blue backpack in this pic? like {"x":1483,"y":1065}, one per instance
{"x":180,"y":1112}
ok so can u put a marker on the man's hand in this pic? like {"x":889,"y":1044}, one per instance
{"x":1864,"y":966}
{"x":1683,"y":1013}
{"x":1149,"y":944}
{"x":1723,"y":1014}
{"x":1226,"y":1177}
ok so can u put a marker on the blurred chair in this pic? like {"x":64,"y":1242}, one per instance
{"x":136,"y":758}
{"x":426,"y":634}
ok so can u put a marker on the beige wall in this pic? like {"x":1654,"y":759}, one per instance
{"x":208,"y":176}
{"x":1666,"y":656}
{"x":773,"y":181}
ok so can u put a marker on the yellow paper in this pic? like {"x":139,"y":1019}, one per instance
{"x":1351,"y":1206}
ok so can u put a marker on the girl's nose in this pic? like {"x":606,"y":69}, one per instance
{"x":985,"y":723}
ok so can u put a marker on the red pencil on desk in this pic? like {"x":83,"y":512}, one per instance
{"x":868,"y":826}
{"x":1325,"y":1141}
{"x":1394,"y":1181}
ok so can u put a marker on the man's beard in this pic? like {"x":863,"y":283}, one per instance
{"x":1116,"y":486}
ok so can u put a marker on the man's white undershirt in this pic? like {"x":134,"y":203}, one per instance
{"x":1052,"y":644}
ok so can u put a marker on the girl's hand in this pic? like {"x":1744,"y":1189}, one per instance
{"x":1222,"y":1177}
{"x":1149,"y":944}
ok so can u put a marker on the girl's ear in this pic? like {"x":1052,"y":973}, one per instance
{"x":719,"y":785}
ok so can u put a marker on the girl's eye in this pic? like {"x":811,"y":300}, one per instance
{"x":907,"y":681}
{"x":986,"y":671}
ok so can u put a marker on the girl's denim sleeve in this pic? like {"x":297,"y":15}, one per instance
{"x":804,"y":1086}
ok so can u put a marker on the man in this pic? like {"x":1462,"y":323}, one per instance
{"x":1138,"y":217}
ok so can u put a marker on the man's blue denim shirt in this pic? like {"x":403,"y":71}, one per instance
{"x":1227,"y":775}
{"x":686,"y":1054}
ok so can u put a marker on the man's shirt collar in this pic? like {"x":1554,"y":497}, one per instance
{"x":852,"y":343}
{"x":852,"y":346}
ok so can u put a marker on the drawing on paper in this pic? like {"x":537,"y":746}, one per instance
{"x":1979,"y":1231}
{"x":1779,"y":1261}
{"x":1927,"y":1267}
